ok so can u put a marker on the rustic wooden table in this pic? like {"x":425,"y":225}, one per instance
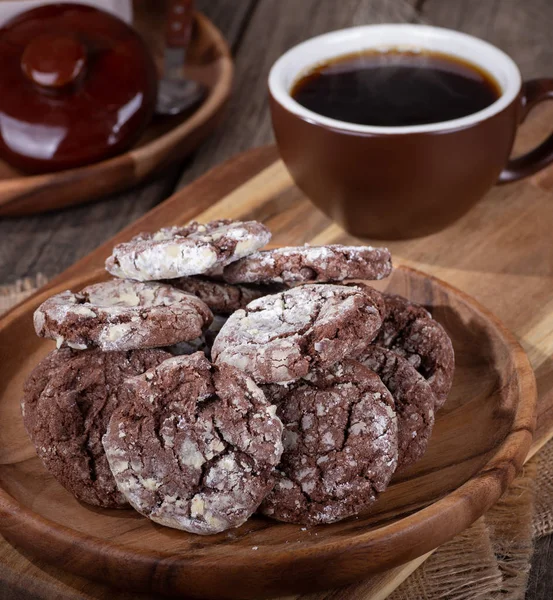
{"x":258,"y":32}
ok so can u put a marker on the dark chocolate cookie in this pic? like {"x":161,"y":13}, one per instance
{"x":281,"y":337}
{"x":189,"y":250}
{"x":376,"y":297}
{"x":340,"y":445}
{"x":194,"y":445}
{"x":122,"y":315}
{"x":311,"y":263}
{"x":67,"y":403}
{"x":414,"y":401}
{"x":411,"y":332}
{"x":399,"y":314}
{"x":202,"y":344}
{"x":223,"y":298}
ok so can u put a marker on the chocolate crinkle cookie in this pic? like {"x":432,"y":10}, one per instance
{"x":193,"y":249}
{"x":340,"y":445}
{"x":279,"y":338}
{"x":194,"y":445}
{"x":414,"y":401}
{"x":399,"y":314}
{"x":223,"y":298}
{"x":311,"y":263}
{"x":375,"y":296}
{"x":202,"y":344}
{"x":122,"y":315}
{"x":410,"y":331}
{"x":68,"y":401}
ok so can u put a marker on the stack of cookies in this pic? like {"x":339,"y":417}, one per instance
{"x":211,"y":380}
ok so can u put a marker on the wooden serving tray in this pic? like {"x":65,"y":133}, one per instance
{"x":166,"y":140}
{"x":480,"y":440}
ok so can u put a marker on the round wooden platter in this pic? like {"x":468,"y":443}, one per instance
{"x":480,"y":440}
{"x":167,"y":139}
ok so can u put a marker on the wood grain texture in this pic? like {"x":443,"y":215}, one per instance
{"x":253,"y":185}
{"x":165,"y":141}
{"x":274,"y":179}
{"x":52,"y":243}
{"x":480,"y":440}
{"x":522,"y":29}
{"x":491,"y":256}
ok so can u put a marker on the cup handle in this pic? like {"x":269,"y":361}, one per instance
{"x":533,"y":92}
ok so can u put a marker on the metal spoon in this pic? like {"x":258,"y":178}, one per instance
{"x":177,"y":94}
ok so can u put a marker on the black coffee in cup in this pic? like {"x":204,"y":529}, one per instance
{"x":396,"y":88}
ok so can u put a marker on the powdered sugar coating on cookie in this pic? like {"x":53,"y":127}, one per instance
{"x":223,"y":298}
{"x":195,"y":445}
{"x":410,"y":331}
{"x":340,"y":445}
{"x":414,"y":401}
{"x":189,"y":250}
{"x":122,"y":315}
{"x":399,"y":314}
{"x":279,"y":338}
{"x":68,"y":401}
{"x":202,"y":344}
{"x":311,"y":263}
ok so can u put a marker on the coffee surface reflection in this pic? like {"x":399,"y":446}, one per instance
{"x":396,"y":88}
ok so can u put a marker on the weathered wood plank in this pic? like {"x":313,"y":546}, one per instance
{"x":520,"y":28}
{"x":50,"y":243}
{"x":276,"y":26}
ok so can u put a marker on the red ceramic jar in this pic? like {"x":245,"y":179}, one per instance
{"x":78,"y":85}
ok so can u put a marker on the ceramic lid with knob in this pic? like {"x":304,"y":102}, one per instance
{"x":77,"y":85}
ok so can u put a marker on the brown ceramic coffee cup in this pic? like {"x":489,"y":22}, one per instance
{"x":403,"y":182}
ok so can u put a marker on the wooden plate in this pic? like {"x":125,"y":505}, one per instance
{"x":166,"y":140}
{"x":480,"y":441}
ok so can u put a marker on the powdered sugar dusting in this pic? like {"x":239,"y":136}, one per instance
{"x":209,"y":464}
{"x":277,"y":338}
{"x":122,"y":315}
{"x":335,"y":460}
{"x":184,"y":251}
{"x":311,"y":263}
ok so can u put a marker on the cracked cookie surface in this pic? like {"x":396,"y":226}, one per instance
{"x":340,"y":445}
{"x":68,"y":401}
{"x":223,"y":298}
{"x":311,"y":263}
{"x":194,"y":445}
{"x":414,"y":401}
{"x":375,"y":296}
{"x":410,"y":331}
{"x":122,"y":315}
{"x":182,"y":251}
{"x":279,"y":338}
{"x":202,"y":344}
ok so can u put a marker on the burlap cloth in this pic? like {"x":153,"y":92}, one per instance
{"x":490,"y":560}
